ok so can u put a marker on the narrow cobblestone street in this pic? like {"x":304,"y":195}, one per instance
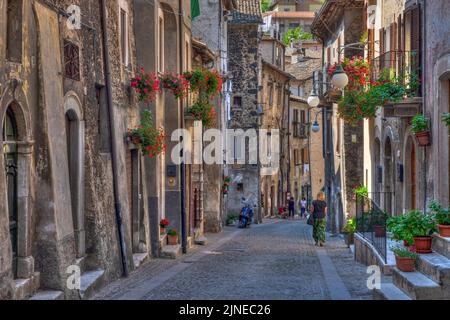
{"x":276,"y":260}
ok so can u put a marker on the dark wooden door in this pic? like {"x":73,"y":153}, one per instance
{"x":413,"y":176}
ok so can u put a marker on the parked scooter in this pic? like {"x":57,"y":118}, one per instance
{"x":246,"y":216}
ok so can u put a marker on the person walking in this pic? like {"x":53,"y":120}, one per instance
{"x":291,"y":208}
{"x":319,"y":212}
{"x":302,"y":208}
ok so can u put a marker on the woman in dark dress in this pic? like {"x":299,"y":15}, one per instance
{"x":319,"y":212}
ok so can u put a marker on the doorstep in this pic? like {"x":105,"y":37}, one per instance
{"x":171,"y":252}
{"x":48,"y":296}
{"x":91,"y":281}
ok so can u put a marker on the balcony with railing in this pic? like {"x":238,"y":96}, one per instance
{"x":404,"y":67}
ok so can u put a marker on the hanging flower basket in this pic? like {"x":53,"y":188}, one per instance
{"x":150,"y":139}
{"x":205,"y":112}
{"x":177,"y":84}
{"x":146,"y":85}
{"x":207,"y":83}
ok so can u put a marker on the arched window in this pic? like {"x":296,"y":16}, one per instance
{"x":9,"y":131}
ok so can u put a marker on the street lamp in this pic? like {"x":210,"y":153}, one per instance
{"x":313,"y":99}
{"x":315,"y":127}
{"x":340,"y":78}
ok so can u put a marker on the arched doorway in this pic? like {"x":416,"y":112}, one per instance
{"x":75,"y":156}
{"x":388,"y":176}
{"x":410,"y":175}
{"x":10,"y":139}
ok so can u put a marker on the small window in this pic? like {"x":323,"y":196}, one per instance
{"x":71,"y":61}
{"x":14,"y":31}
{"x":124,"y":36}
{"x":237,"y":101}
{"x":240,"y":187}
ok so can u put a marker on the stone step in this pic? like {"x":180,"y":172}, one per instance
{"x":417,"y":286}
{"x":25,"y":288}
{"x":435,"y":266}
{"x":91,"y":281}
{"x":48,"y":295}
{"x":389,"y":291}
{"x":139,"y":259}
{"x":171,"y":252}
{"x":81,"y":263}
{"x":441,"y":245}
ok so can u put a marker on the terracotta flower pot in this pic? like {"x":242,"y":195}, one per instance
{"x":162,"y":230}
{"x":380,"y":231}
{"x":423,"y":244}
{"x":136,"y":140}
{"x":405,"y":264}
{"x":444,"y":230}
{"x":172,"y":240}
{"x":405,"y":243}
{"x":423,"y":138}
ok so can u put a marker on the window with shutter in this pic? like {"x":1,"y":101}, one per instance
{"x":382,"y":46}
{"x":14,"y":31}
{"x":71,"y":60}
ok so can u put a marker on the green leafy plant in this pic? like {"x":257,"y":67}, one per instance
{"x":399,"y":229}
{"x":146,"y":85}
{"x":442,"y":215}
{"x":419,"y":123}
{"x":446,"y":118}
{"x":296,"y":34}
{"x":378,"y":218}
{"x":206,"y":83}
{"x":350,"y":227}
{"x":265,"y":5}
{"x":177,"y":84}
{"x":420,"y":224}
{"x":231,"y":218}
{"x":403,"y":252}
{"x":361,"y":191}
{"x":172,"y":232}
{"x":150,"y":139}
{"x":205,"y":112}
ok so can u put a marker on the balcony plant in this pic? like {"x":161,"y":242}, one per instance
{"x":163,"y":224}
{"x":405,"y":258}
{"x":150,"y":140}
{"x":349,"y":231}
{"x":207,"y":83}
{"x":421,"y":226}
{"x":175,"y":83}
{"x":226,"y":184}
{"x":172,"y":237}
{"x":146,"y":85}
{"x":420,"y":127}
{"x":203,"y":111}
{"x":442,"y":217}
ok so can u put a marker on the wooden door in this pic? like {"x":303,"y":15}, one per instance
{"x":413,"y":176}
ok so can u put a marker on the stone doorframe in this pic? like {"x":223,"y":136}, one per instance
{"x":441,"y":152}
{"x":410,"y":140}
{"x":73,"y":109}
{"x":25,"y":260}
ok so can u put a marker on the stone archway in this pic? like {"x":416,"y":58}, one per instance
{"x":75,"y":133}
{"x":16,"y":170}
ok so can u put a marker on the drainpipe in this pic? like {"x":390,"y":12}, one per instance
{"x":112,"y":127}
{"x":424,"y":75}
{"x":183,"y":165}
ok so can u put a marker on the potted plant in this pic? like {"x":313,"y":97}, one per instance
{"x":203,"y":111}
{"x":362,"y":192}
{"x":405,"y":259}
{"x":172,"y":237}
{"x":349,"y":231}
{"x":231,"y":219}
{"x":150,"y":139}
{"x":207,"y":83}
{"x":400,"y":231}
{"x":378,"y":219}
{"x":163,"y":224}
{"x":146,"y":85}
{"x":421,"y":226}
{"x":420,"y":127}
{"x":442,"y":217}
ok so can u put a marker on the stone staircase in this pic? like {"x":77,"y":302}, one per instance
{"x":430,"y":281}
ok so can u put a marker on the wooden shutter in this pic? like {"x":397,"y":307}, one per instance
{"x":382,"y":46}
{"x":400,"y":42}
{"x":416,"y":36}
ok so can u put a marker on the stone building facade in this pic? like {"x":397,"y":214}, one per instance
{"x":339,"y":24}
{"x":245,"y":71}
{"x":66,"y":175}
{"x":212,"y":29}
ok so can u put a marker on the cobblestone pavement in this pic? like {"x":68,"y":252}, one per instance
{"x":276,"y":260}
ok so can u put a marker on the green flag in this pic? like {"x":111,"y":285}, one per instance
{"x":195,"y":9}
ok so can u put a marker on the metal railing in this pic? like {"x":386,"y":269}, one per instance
{"x":371,"y":224}
{"x":403,"y":65}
